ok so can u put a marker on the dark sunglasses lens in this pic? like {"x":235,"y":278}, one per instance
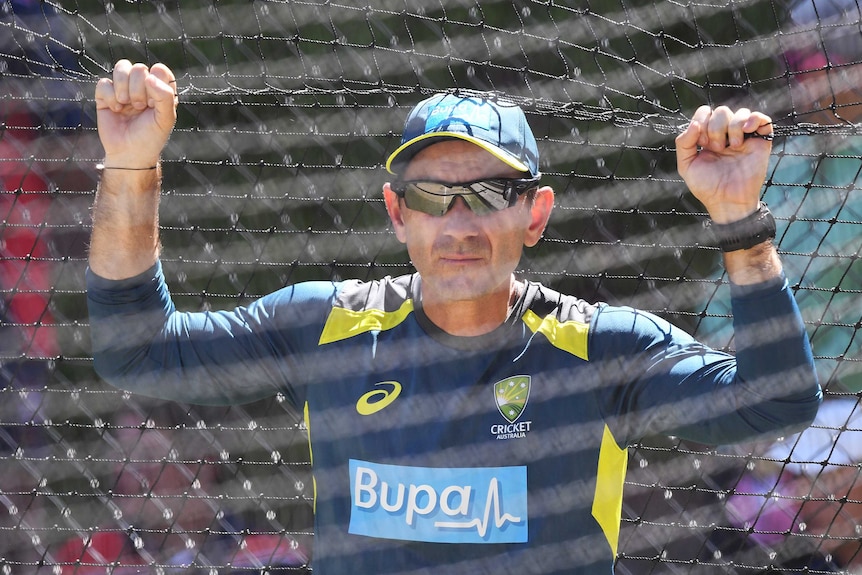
{"x":491,"y":195}
{"x":428,"y":198}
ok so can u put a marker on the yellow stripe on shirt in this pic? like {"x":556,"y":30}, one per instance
{"x":570,"y":336}
{"x":345,"y":323}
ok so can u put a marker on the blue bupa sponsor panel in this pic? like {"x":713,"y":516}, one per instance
{"x":439,"y":505}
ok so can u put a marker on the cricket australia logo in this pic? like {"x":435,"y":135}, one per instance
{"x":511,"y":397}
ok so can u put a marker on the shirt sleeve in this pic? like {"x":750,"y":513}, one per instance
{"x":658,"y":379}
{"x":141,"y":343}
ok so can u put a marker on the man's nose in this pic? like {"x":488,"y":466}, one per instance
{"x":460,"y":219}
{"x":459,"y":203}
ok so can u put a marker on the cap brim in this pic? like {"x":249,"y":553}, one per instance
{"x":406,"y":151}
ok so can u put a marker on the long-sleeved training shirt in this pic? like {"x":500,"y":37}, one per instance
{"x":497,"y":454}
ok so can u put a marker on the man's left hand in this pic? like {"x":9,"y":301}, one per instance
{"x":720,"y":161}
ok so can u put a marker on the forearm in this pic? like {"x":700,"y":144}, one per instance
{"x":771,"y":387}
{"x":125,"y":237}
{"x":136,"y":110}
{"x":667,"y":382}
{"x":754,"y":265}
{"x":774,"y":356}
{"x":140,"y":343}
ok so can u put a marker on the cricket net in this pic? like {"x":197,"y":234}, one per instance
{"x":288,"y":110}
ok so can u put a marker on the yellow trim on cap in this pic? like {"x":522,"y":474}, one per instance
{"x":499,"y":153}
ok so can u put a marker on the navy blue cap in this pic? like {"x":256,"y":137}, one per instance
{"x":493,"y":124}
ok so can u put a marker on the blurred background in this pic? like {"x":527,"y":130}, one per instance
{"x":288,"y":110}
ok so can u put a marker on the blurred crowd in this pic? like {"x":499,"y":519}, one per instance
{"x":155,"y":507}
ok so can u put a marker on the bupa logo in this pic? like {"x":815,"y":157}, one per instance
{"x":511,"y":397}
{"x":439,"y":505}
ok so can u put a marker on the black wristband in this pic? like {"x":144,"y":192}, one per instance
{"x":745,"y":233}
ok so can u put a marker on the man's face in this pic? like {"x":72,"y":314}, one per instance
{"x":460,"y":255}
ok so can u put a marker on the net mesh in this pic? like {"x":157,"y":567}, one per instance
{"x":288,"y":110}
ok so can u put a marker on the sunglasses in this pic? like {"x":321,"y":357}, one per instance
{"x":482,"y":196}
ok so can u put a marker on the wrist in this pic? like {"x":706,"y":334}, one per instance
{"x":130,"y":162}
{"x":756,"y":265}
{"x":101,"y":167}
{"x":727,"y":214}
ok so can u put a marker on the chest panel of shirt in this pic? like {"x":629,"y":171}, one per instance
{"x":444,"y":412}
{"x":410,"y":398}
{"x":412,"y":401}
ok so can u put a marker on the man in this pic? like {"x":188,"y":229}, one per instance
{"x":461,"y":420}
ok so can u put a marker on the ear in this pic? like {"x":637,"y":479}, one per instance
{"x":396,"y":215}
{"x":540,"y":213}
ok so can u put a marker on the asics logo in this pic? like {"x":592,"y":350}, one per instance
{"x":377,"y":399}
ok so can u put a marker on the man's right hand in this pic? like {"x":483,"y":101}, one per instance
{"x":136,"y":110}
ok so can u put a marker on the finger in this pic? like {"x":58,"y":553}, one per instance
{"x":687,"y":140}
{"x":736,"y":127}
{"x":105,"y":95}
{"x":759,"y":123}
{"x":138,"y":96}
{"x":164,"y":84}
{"x":717,"y":129}
{"x":163,"y":73}
{"x":701,"y":117}
{"x":693,"y":136}
{"x":162,"y":96}
{"x":120,"y":78}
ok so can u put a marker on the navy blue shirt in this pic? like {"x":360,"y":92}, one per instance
{"x":503,"y":453}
